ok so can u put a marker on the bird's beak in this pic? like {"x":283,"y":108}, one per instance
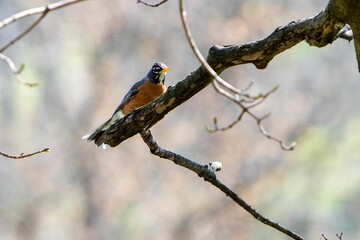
{"x":165,"y":70}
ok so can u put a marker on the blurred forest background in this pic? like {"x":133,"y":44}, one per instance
{"x":88,"y":55}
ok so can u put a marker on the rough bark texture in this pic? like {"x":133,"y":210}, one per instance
{"x":319,"y":31}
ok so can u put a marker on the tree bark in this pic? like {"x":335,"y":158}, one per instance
{"x":348,"y":11}
{"x":319,"y":31}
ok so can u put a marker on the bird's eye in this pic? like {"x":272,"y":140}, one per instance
{"x":156,"y":69}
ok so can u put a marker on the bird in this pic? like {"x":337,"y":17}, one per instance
{"x":141,"y":93}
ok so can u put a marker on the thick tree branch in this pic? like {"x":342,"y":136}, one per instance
{"x":317,"y":31}
{"x":347,"y":11}
{"x":209,"y":176}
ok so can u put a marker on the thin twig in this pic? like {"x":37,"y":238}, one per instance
{"x":339,"y":236}
{"x":31,"y":27}
{"x":152,"y":5}
{"x":247,"y":87}
{"x":16,"y":71}
{"x":231,"y":125}
{"x":260,"y":98}
{"x":209,"y":176}
{"x":223,"y":92}
{"x":22,"y":155}
{"x":271,"y":137}
{"x":323,"y":236}
{"x":33,"y":11}
{"x":201,"y":58}
{"x":257,"y":119}
{"x":235,"y":98}
{"x":38,"y":10}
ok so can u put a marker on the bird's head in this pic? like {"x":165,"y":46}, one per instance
{"x":157,"y":73}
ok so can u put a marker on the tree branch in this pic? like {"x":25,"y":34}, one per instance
{"x":22,"y":155}
{"x":31,"y":27}
{"x":347,"y":11}
{"x":319,"y":31}
{"x":16,"y":71}
{"x":208,"y":174}
{"x":33,"y":11}
{"x":339,"y":236}
{"x":40,"y":10}
{"x":239,"y":97}
{"x":152,"y":5}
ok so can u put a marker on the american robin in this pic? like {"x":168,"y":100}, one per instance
{"x":140,"y":94}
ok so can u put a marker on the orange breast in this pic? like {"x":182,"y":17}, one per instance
{"x":146,"y":93}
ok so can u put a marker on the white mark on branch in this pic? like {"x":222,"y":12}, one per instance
{"x":215,"y":166}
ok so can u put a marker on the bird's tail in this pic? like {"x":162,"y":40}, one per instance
{"x":96,"y":135}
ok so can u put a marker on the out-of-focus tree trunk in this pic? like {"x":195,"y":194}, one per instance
{"x":348,"y":11}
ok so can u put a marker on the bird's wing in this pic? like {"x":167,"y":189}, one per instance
{"x":130,"y":95}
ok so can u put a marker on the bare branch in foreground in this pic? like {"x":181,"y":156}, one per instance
{"x":33,"y":11}
{"x":31,"y":27}
{"x":16,"y":71}
{"x":209,"y":175}
{"x":38,"y":10}
{"x":201,"y":58}
{"x":152,"y":5}
{"x":237,"y":95}
{"x":22,"y":155}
